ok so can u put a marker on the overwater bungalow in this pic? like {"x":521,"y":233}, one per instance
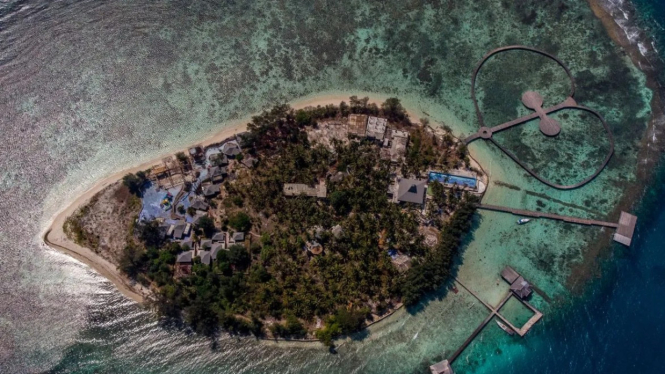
{"x":442,"y":367}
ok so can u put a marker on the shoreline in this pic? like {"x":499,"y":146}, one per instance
{"x":55,"y":238}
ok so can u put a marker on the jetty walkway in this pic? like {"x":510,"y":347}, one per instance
{"x":625,"y":227}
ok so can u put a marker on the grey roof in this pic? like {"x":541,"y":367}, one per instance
{"x":217,"y":171}
{"x":199,"y":205}
{"x":215,"y":249}
{"x":179,"y":230}
{"x":211,"y":190}
{"x":238,"y":236}
{"x":187,"y":244}
{"x":205,"y":257}
{"x":231,"y":148}
{"x":219,"y":237}
{"x":249,"y":161}
{"x":521,"y":288}
{"x":185,"y":257}
{"x":411,"y":190}
{"x":206,"y":243}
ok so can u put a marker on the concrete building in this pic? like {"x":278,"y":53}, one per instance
{"x":358,"y":125}
{"x":400,"y":139}
{"x":296,"y":189}
{"x":376,"y":128}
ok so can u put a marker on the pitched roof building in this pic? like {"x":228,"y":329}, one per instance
{"x":185,"y":257}
{"x":219,"y":237}
{"x":521,"y":288}
{"x":442,"y":367}
{"x":249,"y":162}
{"x":205,"y":257}
{"x":179,"y":230}
{"x":211,"y":190}
{"x":237,"y":237}
{"x":214,"y":250}
{"x":411,"y":190}
{"x":199,"y":205}
{"x":509,"y":274}
{"x":217,"y":173}
{"x":231,"y":148}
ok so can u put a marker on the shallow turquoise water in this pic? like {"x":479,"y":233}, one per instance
{"x":90,"y":88}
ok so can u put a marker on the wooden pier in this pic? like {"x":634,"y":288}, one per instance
{"x":444,"y":366}
{"x":625,"y":227}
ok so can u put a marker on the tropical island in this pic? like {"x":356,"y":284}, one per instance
{"x":312,"y":224}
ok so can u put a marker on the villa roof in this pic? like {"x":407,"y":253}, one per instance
{"x":215,"y":249}
{"x":199,"y":205}
{"x":521,"y":288}
{"x":219,"y":237}
{"x":211,"y":190}
{"x":179,"y":230}
{"x":185,"y":257}
{"x":442,"y":367}
{"x":249,"y":162}
{"x":206,"y":243}
{"x":217,"y":171}
{"x":205,"y":257}
{"x":231,"y":148}
{"x":186,"y":244}
{"x":411,"y":190}
{"x":238,"y":236}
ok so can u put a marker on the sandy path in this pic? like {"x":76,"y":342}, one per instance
{"x":55,"y":237}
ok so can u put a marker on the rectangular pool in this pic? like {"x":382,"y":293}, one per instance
{"x":451,"y":179}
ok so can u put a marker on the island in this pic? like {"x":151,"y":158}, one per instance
{"x":310,"y":224}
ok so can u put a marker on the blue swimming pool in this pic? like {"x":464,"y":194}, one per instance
{"x":452,"y":179}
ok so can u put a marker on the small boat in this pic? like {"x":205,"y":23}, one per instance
{"x":522,"y":221}
{"x":505,"y":328}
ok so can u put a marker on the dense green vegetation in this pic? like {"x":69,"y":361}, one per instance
{"x":276,"y":278}
{"x":136,"y":182}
